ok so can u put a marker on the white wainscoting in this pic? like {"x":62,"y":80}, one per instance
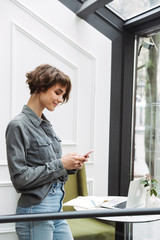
{"x":36,"y":32}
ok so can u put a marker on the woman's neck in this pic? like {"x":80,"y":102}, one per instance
{"x":34,"y":104}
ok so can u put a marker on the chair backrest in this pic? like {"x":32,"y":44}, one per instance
{"x":75,"y":186}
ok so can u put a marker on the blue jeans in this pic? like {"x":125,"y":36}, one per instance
{"x":49,"y":229}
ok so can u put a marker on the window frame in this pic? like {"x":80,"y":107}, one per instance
{"x":124,"y":36}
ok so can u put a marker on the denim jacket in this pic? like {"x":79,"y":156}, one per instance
{"x":34,"y":157}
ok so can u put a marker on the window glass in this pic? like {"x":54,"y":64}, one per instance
{"x":129,"y":8}
{"x":147,"y":108}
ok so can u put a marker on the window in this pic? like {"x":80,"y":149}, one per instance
{"x":128,"y":9}
{"x":147,"y":108}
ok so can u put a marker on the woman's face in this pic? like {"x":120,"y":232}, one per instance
{"x":52,"y":97}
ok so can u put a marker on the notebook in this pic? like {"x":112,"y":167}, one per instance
{"x":136,"y":197}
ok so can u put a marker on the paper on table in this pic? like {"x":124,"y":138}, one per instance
{"x":88,"y":202}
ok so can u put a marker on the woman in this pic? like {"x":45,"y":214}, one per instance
{"x":37,"y":169}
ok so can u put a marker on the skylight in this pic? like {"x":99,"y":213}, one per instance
{"x":127,"y":9}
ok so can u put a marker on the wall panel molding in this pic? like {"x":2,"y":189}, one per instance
{"x":6,"y":184}
{"x":80,"y":49}
{"x":17,"y":27}
{"x":3,"y":163}
{"x":7,"y":230}
{"x":90,"y":186}
{"x":53,"y":29}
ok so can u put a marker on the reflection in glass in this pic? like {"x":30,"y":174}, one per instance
{"x":147,"y":112}
{"x":129,"y":8}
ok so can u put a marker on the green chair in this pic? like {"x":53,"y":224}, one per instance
{"x":85,"y":228}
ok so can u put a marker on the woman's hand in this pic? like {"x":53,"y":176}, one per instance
{"x":73,"y":161}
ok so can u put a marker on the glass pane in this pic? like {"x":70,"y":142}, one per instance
{"x":147,"y":112}
{"x":129,"y":8}
{"x":145,"y":230}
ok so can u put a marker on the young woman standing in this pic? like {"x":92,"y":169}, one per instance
{"x":37,"y":169}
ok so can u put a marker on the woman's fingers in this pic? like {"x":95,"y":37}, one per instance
{"x":73,"y":161}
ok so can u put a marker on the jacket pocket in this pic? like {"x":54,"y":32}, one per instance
{"x":45,"y":149}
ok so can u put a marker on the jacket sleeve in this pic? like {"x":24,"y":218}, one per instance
{"x":71,"y":172}
{"x":22,"y":175}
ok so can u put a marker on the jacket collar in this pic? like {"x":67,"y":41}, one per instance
{"x":33,"y":116}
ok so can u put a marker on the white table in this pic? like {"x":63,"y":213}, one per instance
{"x":124,"y":223}
{"x":127,"y":219}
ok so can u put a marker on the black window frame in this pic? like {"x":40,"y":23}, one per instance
{"x":123,"y":35}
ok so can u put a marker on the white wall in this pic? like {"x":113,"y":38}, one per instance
{"x":35,"y":32}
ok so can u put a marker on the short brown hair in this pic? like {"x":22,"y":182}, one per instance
{"x":44,"y":77}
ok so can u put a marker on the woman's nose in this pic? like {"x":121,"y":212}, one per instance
{"x":60,"y":98}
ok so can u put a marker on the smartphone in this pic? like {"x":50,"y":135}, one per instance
{"x":88,"y":153}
